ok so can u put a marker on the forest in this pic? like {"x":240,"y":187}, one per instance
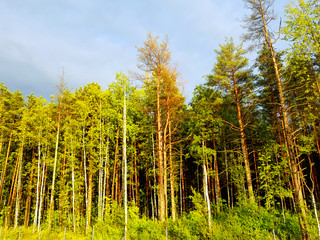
{"x":241,"y":160}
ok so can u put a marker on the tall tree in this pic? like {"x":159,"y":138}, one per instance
{"x":61,"y":89}
{"x":229,"y":72}
{"x":154,"y":58}
{"x":257,"y":24}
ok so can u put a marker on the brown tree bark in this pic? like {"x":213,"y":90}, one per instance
{"x":115,"y":166}
{"x":243,"y":143}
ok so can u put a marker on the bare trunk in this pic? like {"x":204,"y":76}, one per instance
{"x":73,"y":188}
{"x":54,"y":176}
{"x":243,"y":144}
{"x":162,"y":206}
{"x":18,"y":188}
{"x":154,"y":179}
{"x":85,"y":177}
{"x":165,"y":176}
{"x":173,"y":203}
{"x":41,"y":193}
{"x":216,"y":173}
{"x":136,"y":176}
{"x":113,"y":192}
{"x":124,"y":164}
{"x":38,"y":185}
{"x":205,"y":187}
{"x":106,"y":178}
{"x":100,"y":184}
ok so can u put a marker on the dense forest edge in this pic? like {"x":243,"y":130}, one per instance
{"x":241,"y":160}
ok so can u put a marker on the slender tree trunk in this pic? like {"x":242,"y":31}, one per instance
{"x":227,"y":171}
{"x":205,"y":187}
{"x":172,"y":171}
{"x":154,"y":179}
{"x":182,"y":181}
{"x":136,"y":176}
{"x":161,"y":194}
{"x":100,"y":184}
{"x":35,"y":220}
{"x":85,"y":177}
{"x":18,"y":188}
{"x":73,"y":187}
{"x":113,"y":192}
{"x":165,"y":175}
{"x":41,"y":193}
{"x":124,"y":164}
{"x":106,"y":178}
{"x":62,"y":195}
{"x":54,"y":176}
{"x":216,"y":172}
{"x":243,"y":144}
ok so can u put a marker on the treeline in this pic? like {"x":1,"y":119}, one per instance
{"x":247,"y":137}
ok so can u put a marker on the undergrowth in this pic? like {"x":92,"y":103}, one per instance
{"x":245,"y":222}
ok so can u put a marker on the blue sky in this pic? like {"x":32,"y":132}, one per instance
{"x":94,"y":39}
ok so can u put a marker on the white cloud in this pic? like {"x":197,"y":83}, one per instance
{"x":94,"y":39}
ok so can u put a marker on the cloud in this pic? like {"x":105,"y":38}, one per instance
{"x":94,"y":39}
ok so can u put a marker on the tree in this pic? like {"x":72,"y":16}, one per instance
{"x":124,"y":156}
{"x":154,"y":58}
{"x":303,"y":30}
{"x":60,"y":104}
{"x":257,"y":25}
{"x":228,"y":73}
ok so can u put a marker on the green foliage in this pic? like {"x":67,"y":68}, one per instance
{"x":272,"y":180}
{"x":252,"y":222}
{"x":245,"y":222}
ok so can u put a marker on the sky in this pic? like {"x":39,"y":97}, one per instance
{"x":91,"y":40}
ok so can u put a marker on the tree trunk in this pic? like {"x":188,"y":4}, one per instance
{"x":124,"y":164}
{"x":161,"y":196}
{"x":183,"y":204}
{"x":41,"y":193}
{"x":106,"y":178}
{"x":85,"y":177}
{"x":54,"y":176}
{"x":243,"y":144}
{"x":38,"y":185}
{"x":136,"y":176}
{"x":18,"y":188}
{"x":205,"y":187}
{"x":113,"y":192}
{"x":173,"y":203}
{"x":165,"y":176}
{"x":216,"y":172}
{"x":73,"y":188}
{"x":154,"y":179}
